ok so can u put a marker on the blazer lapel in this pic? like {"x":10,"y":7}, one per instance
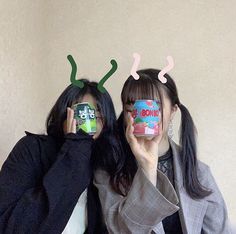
{"x":191,"y":211}
{"x":158,"y":229}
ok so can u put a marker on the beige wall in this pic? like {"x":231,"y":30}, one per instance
{"x":36,"y":37}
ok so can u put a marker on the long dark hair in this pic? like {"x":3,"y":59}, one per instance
{"x":148,"y":86}
{"x":58,"y":114}
{"x":73,"y":94}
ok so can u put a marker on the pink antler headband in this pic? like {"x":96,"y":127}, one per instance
{"x":161,"y":74}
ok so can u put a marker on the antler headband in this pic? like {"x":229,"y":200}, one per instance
{"x":80,"y":83}
{"x":161,"y":74}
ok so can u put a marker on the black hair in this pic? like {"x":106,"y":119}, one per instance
{"x":58,"y":114}
{"x":73,"y":94}
{"x":106,"y":148}
{"x":148,"y":86}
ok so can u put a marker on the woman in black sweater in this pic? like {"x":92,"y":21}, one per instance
{"x":44,"y":176}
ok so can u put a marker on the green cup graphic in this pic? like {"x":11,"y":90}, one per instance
{"x":84,"y":113}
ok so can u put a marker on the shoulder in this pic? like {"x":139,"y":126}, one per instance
{"x":207,"y":179}
{"x":203,"y":170}
{"x":29,"y":148}
{"x":203,"y":167}
{"x":101,"y":175}
{"x":205,"y":175}
{"x":30,"y":141}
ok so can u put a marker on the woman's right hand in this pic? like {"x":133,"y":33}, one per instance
{"x":70,"y":121}
{"x":145,"y":150}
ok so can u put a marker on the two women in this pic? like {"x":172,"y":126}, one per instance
{"x":155,"y":185}
{"x":145,"y":185}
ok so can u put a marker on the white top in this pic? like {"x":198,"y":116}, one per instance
{"x":78,"y":220}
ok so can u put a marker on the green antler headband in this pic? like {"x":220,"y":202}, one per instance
{"x":80,"y":84}
{"x":75,"y":82}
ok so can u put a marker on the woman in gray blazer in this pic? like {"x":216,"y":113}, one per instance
{"x":154,"y":185}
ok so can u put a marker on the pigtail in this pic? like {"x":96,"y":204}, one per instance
{"x":189,"y":156}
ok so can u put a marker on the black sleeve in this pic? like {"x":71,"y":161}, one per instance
{"x":32,"y":204}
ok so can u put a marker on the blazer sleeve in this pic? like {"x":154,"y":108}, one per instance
{"x":33,"y":203}
{"x":216,"y":218}
{"x":142,"y":209}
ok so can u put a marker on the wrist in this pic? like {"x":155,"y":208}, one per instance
{"x":149,"y":163}
{"x":80,"y":135}
{"x":151,"y":174}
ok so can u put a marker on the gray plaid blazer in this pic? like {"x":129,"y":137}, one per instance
{"x":145,"y":206}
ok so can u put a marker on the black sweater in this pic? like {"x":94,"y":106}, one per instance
{"x":41,"y":182}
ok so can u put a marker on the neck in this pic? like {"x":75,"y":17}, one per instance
{"x":163,"y":146}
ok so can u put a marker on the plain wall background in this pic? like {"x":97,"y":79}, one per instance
{"x":37,"y":36}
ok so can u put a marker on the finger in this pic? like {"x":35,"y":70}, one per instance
{"x":130,"y":119}
{"x":158,"y":138}
{"x":70,"y":117}
{"x":74,"y":125}
{"x":71,"y":114}
{"x":128,"y":126}
{"x":141,"y":140}
{"x":67,"y":119}
{"x":129,"y":131}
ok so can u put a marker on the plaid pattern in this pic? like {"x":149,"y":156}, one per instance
{"x":145,"y":206}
